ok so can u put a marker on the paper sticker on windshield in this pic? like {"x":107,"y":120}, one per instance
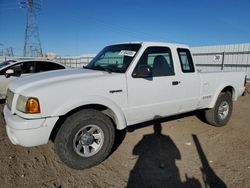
{"x":127,"y":53}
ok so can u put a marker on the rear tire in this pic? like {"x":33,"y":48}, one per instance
{"x":222,"y":111}
{"x":85,"y":139}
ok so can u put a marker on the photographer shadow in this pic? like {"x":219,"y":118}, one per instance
{"x":156,"y":164}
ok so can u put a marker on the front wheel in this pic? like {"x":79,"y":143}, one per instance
{"x":85,"y":139}
{"x":222,"y":111}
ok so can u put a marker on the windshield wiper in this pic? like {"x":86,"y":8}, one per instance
{"x":85,"y":67}
{"x":105,"y":69}
{"x":98,"y":67}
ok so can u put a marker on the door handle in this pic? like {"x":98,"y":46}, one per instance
{"x":175,"y":83}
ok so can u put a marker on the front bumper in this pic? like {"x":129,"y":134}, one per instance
{"x":28,"y":132}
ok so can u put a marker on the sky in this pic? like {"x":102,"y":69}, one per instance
{"x":85,"y":26}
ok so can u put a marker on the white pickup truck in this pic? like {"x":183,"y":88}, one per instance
{"x":123,"y":85}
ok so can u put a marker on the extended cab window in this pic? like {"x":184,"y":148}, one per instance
{"x":159,"y":59}
{"x":185,"y":60}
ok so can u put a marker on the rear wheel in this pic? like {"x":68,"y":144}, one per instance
{"x":222,"y":111}
{"x":85,"y":139}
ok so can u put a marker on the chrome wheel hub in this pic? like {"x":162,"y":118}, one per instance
{"x":223,"y":110}
{"x":88,"y":140}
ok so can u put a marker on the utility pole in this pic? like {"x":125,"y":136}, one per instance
{"x":32,"y":44}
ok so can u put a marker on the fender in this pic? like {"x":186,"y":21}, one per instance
{"x":70,"y":105}
{"x":219,"y":90}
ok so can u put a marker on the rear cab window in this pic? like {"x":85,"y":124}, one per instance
{"x":187,"y":65}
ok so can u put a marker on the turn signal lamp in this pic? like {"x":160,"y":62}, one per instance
{"x":32,"y":106}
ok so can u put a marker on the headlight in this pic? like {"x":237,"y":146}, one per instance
{"x":29,"y":105}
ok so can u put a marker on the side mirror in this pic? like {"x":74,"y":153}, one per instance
{"x":8,"y":73}
{"x":143,"y":71}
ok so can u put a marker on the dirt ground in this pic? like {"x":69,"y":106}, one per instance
{"x":186,"y":153}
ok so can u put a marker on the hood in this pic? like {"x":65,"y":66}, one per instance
{"x":53,"y":77}
{"x":66,"y":89}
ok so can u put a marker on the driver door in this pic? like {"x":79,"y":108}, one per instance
{"x":153,"y":97}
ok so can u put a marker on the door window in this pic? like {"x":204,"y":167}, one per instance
{"x":21,"y":68}
{"x":47,"y":66}
{"x":159,"y":59}
{"x":27,"y":67}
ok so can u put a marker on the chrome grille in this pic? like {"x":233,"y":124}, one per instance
{"x":9,"y":98}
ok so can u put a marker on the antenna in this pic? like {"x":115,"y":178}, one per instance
{"x":32,"y":43}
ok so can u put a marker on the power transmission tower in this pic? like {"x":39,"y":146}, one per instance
{"x":9,"y":51}
{"x":32,"y":43}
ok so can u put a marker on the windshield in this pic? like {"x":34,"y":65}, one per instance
{"x":115,"y":58}
{"x":6,"y":63}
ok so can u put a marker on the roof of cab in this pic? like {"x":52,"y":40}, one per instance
{"x":150,"y":43}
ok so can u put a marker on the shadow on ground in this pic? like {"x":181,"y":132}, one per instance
{"x":200,"y":114}
{"x":156,"y":164}
{"x":209,"y":177}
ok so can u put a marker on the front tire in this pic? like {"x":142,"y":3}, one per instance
{"x":85,"y":139}
{"x":222,"y":111}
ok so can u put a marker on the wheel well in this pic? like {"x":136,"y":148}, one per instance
{"x":98,"y":107}
{"x":229,"y":89}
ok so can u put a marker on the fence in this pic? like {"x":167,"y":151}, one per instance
{"x":234,"y":57}
{"x":74,"y":62}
